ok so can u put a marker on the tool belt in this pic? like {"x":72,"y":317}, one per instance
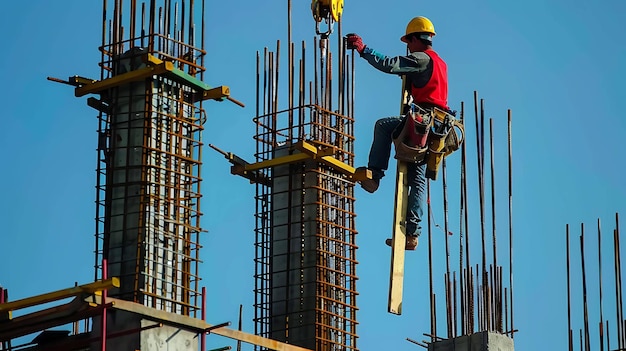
{"x":427,"y":136}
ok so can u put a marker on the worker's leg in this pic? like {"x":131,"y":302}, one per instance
{"x":415,"y":206}
{"x":381,"y":145}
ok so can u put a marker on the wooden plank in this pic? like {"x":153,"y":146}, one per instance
{"x":61,"y":294}
{"x":398,"y":240}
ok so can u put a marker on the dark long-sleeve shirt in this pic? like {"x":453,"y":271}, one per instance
{"x":416,"y":65}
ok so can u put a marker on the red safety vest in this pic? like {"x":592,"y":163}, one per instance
{"x":436,"y":90}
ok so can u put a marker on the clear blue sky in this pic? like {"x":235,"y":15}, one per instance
{"x":557,"y":65}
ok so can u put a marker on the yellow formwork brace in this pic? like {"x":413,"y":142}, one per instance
{"x":124,"y":78}
{"x":154,"y":67}
{"x":307,"y":151}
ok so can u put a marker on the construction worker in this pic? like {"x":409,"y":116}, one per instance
{"x":426,"y":74}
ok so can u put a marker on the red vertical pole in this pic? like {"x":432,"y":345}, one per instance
{"x":104,"y":309}
{"x":203,"y":313}
{"x":3,"y":344}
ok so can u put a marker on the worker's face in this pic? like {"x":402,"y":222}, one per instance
{"x":414,"y":44}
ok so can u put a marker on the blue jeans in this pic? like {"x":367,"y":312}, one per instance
{"x":379,"y":162}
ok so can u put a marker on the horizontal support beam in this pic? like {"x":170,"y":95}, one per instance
{"x":125,"y":78}
{"x":307,"y":151}
{"x":278,"y":161}
{"x":194,"y":324}
{"x":90,"y":288}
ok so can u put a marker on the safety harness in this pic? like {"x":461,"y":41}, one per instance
{"x":427,"y":135}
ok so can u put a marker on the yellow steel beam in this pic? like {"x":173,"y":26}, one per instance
{"x":152,"y":60}
{"x":362,"y":174}
{"x":90,"y":288}
{"x":124,"y":78}
{"x":307,"y":151}
{"x":282,"y":160}
{"x":338,"y":165}
{"x":325,"y":156}
{"x":307,"y":148}
{"x":216,"y":93}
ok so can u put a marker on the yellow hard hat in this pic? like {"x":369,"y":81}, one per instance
{"x":419,"y":25}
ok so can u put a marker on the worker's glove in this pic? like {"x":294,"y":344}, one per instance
{"x":355,"y":42}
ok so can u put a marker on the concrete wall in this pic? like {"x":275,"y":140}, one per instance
{"x":483,"y":341}
{"x":165,"y":338}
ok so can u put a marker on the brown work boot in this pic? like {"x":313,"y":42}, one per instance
{"x":369,"y":185}
{"x":411,"y":242}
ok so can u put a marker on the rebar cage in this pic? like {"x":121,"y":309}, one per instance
{"x":149,"y":158}
{"x":305,"y":221}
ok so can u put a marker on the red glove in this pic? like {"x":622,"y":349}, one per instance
{"x":355,"y":42}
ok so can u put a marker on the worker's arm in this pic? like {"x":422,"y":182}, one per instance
{"x":415,"y":62}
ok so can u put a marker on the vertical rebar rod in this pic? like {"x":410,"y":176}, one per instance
{"x":143,"y":24}
{"x":258,"y":300}
{"x":470,"y":280}
{"x":479,"y":299}
{"x":115,"y":28}
{"x":314,"y":93}
{"x":3,"y":299}
{"x":462,"y":209}
{"x":133,"y":9}
{"x":103,"y":327}
{"x":618,"y":285}
{"x":485,"y":274}
{"x":302,"y":98}
{"x":600,"y":282}
{"x":481,"y":191}
{"x":569,"y":298}
{"x":580,"y":333}
{"x":183,"y":51}
{"x":601,"y":331}
{"x":202,"y":37}
{"x":506,"y":314}
{"x":151,"y":25}
{"x":608,"y":336}
{"x":275,"y":84}
{"x":433,"y":326}
{"x":495,"y":291}
{"x":470,"y":294}
{"x":616,"y":270}
{"x":447,"y":245}
{"x":341,"y":67}
{"x":584,"y":285}
{"x":447,"y":289}
{"x":493,"y":195}
{"x":352,"y":85}
{"x":203,"y":316}
{"x":491,"y":283}
{"x":454,"y":304}
{"x":290,"y":83}
{"x":239,"y":327}
{"x":510,"y":221}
